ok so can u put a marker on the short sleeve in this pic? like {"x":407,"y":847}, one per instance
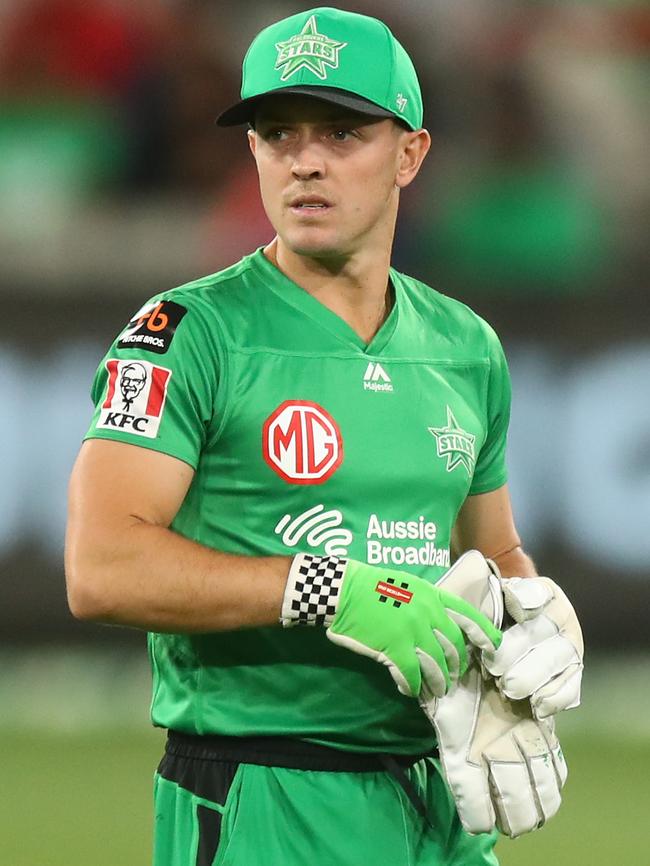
{"x":491,"y":472}
{"x":157,"y":385}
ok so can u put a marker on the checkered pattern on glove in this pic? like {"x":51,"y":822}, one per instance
{"x":313,"y":588}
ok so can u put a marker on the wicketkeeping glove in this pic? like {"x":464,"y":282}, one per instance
{"x":414,"y":628}
{"x":541,"y":656}
{"x":504,"y":768}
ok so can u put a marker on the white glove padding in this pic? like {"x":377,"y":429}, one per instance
{"x":541,"y":655}
{"x":504,"y":768}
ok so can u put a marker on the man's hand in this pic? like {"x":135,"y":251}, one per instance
{"x":414,"y":628}
{"x":541,"y":656}
{"x":503,"y":767}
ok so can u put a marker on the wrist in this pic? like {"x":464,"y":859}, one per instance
{"x":312,"y":590}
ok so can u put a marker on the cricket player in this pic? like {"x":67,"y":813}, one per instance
{"x":284,"y":460}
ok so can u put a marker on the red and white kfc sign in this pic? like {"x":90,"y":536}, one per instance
{"x":302,"y":442}
{"x":135,"y":397}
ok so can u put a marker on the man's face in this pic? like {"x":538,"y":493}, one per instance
{"x":327,"y":175}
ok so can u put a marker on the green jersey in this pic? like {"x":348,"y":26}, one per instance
{"x":303,"y":438}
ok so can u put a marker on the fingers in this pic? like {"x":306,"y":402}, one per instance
{"x":452,"y":642}
{"x":478,"y":628}
{"x":425,"y":673}
{"x":559,"y":764}
{"x":562,"y":693}
{"x":405,"y":669}
{"x":471,"y":793}
{"x":547,"y":769}
{"x":540,"y":657}
{"x":525,"y":597}
{"x":524,"y":797}
{"x":526,"y":792}
{"x":436,"y":678}
{"x":545,"y":787}
{"x":512,"y":798}
{"x":538,"y":667}
{"x":517,"y":642}
{"x":407,"y":674}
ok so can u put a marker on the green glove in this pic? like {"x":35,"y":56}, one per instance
{"x":399,"y":620}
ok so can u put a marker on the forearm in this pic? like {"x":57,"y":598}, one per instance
{"x":151,"y":577}
{"x":485,"y":523}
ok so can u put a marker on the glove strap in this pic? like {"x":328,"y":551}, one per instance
{"x":312,"y":592}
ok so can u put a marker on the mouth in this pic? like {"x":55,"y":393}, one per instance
{"x":309,"y":205}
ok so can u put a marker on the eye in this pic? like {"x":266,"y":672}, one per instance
{"x":274,"y":134}
{"x":342,"y":134}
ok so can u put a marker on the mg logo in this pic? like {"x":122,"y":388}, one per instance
{"x":302,"y":443}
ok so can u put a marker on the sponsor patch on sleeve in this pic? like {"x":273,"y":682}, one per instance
{"x":135,"y":397}
{"x":153,"y":327}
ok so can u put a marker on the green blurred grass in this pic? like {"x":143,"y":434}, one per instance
{"x":605,"y":809}
{"x":84,"y":799}
{"x":74,"y":799}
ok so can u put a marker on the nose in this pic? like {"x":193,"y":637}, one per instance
{"x":308,"y":163}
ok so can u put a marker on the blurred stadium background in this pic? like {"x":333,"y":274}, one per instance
{"x":533,"y":208}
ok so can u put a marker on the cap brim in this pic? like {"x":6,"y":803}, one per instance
{"x":244,"y":111}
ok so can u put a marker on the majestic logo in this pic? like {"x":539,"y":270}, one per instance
{"x":376,"y":378}
{"x":316,"y":526}
{"x":456,"y":444}
{"x":153,"y":327}
{"x":308,"y":49}
{"x":135,"y":397}
{"x":302,"y":443}
{"x":388,"y":589}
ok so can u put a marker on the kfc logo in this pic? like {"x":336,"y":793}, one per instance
{"x":133,"y":378}
{"x":135,"y":397}
{"x":302,"y":443}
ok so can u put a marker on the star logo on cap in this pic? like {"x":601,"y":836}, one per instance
{"x":454,"y":443}
{"x":308,"y":49}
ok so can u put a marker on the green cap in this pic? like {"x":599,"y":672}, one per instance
{"x":336,"y":56}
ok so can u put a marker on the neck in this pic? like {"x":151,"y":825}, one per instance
{"x":356,"y":288}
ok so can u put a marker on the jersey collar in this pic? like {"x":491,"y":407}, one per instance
{"x":299,"y":298}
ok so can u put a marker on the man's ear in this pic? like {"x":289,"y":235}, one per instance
{"x":252,"y":140}
{"x":414,"y":148}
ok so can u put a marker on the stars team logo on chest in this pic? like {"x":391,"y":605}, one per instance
{"x":456,"y":444}
{"x":302,"y":443}
{"x":308,"y":49}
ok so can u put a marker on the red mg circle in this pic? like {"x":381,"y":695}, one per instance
{"x":302,"y":443}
